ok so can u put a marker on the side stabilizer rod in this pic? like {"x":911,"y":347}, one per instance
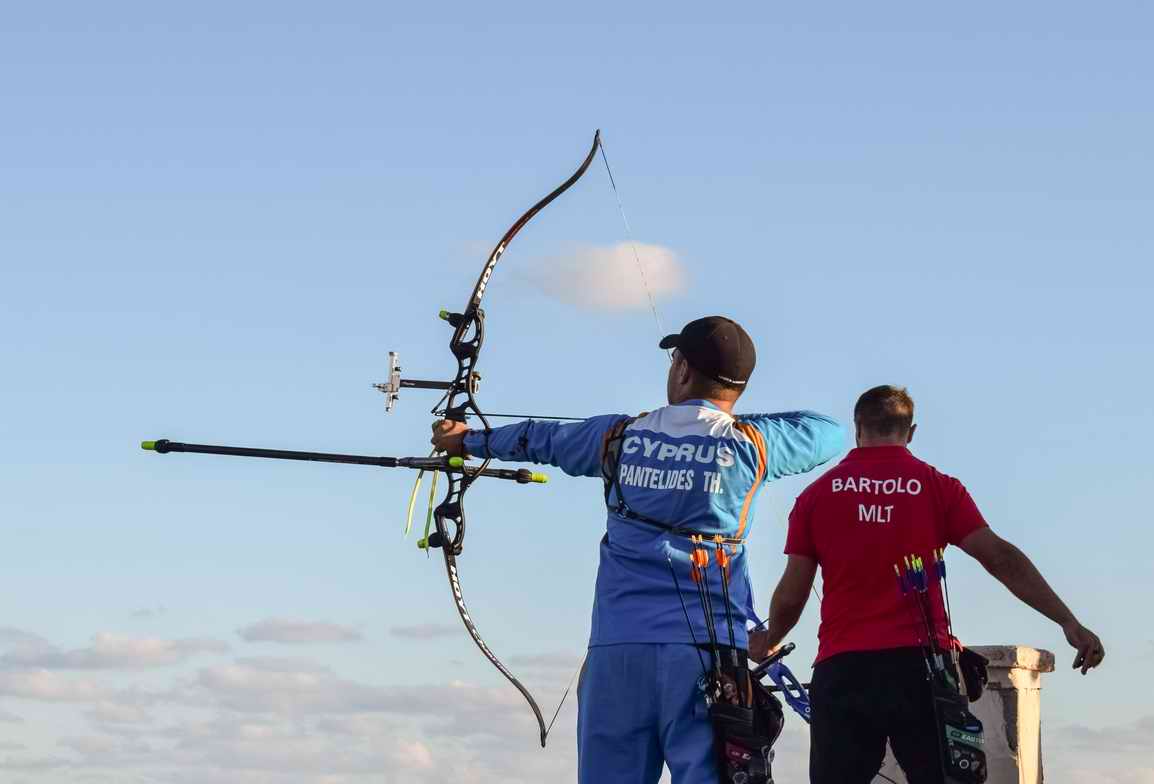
{"x":454,"y":465}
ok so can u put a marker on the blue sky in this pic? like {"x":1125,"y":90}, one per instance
{"x":216,"y":220}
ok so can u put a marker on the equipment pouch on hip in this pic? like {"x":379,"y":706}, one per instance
{"x":961,"y":739}
{"x":743,"y":737}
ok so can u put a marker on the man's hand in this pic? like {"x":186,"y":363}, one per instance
{"x":759,"y":647}
{"x":785,"y":607}
{"x":1089,"y":647}
{"x":449,"y":437}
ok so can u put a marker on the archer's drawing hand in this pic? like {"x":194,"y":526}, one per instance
{"x":1089,"y":647}
{"x":449,"y":437}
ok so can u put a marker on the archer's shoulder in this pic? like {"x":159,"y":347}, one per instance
{"x":800,"y":418}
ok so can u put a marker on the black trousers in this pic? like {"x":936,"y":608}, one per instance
{"x":864,"y":698}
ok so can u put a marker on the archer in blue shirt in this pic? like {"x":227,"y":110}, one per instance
{"x":691,"y":468}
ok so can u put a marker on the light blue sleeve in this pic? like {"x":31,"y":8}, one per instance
{"x":574,"y":447}
{"x":797,"y":441}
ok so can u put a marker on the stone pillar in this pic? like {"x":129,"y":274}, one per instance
{"x":1010,"y":712}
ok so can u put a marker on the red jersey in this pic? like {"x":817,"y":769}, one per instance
{"x":857,"y":521}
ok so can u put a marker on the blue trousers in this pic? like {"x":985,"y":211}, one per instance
{"x":639,"y":709}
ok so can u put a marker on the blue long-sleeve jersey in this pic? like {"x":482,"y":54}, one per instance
{"x":691,"y":466}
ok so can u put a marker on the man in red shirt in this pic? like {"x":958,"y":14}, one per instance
{"x":856,"y":522}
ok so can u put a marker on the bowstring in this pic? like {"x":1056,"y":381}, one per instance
{"x":660,"y":329}
{"x":564,"y":696}
{"x":633,"y":245}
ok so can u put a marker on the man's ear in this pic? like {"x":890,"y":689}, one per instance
{"x":910,"y":437}
{"x":857,"y":433}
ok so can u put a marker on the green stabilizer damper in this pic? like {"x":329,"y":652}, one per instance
{"x":521,"y":476}
{"x":149,"y":445}
{"x":454,"y":319}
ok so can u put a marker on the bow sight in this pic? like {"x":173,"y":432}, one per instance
{"x":391,"y":388}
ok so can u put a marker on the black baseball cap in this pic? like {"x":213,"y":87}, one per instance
{"x":716,"y":347}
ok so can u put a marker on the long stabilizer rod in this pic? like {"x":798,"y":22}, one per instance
{"x":447,"y":464}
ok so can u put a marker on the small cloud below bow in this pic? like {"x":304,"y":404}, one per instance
{"x":609,"y":278}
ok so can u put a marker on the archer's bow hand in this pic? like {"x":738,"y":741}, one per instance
{"x":449,"y":437}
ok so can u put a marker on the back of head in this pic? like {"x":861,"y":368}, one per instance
{"x":713,"y":361}
{"x":884,"y":414}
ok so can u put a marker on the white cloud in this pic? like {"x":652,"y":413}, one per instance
{"x":1106,"y":774}
{"x":35,"y":764}
{"x":12,"y":637}
{"x":50,"y":687}
{"x":1118,"y":754}
{"x":1137,"y":736}
{"x":288,"y":720}
{"x":282,"y":664}
{"x":415,"y":754}
{"x":609,"y":278}
{"x":111,"y":652}
{"x":317,"y":691}
{"x":118,"y":713}
{"x":257,"y":689}
{"x":227,"y":749}
{"x":298,"y":632}
{"x":90,"y":744}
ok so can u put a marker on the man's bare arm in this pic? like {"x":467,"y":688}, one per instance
{"x":1013,"y":569}
{"x":785,"y":608}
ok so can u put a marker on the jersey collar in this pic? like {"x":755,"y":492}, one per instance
{"x":878,"y":453}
